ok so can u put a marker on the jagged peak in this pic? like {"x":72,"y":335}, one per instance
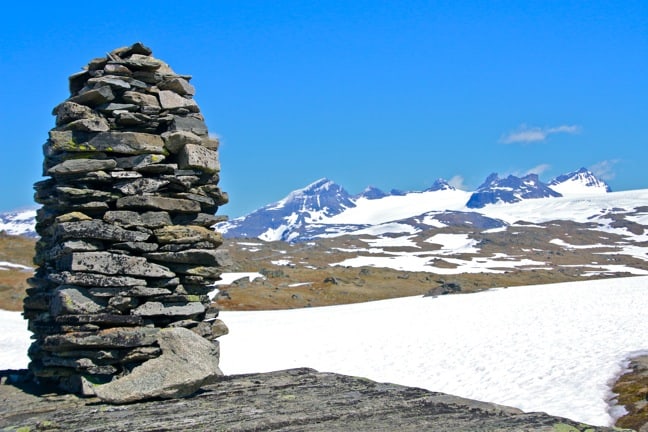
{"x":440,"y":184}
{"x":318,"y":185}
{"x":580,"y":181}
{"x":371,"y":192}
{"x":490,"y":180}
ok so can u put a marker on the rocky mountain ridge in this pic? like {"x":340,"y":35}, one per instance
{"x":319,"y":209}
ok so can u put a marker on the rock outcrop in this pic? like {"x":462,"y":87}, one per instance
{"x":292,"y":400}
{"x":125,"y":243}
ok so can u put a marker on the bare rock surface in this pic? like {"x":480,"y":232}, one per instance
{"x":291,"y":400}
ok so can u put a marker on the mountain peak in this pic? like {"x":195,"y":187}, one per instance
{"x":440,"y":184}
{"x":372,"y":193}
{"x":509,"y":190}
{"x":286,"y":219}
{"x":316,"y":186}
{"x":582,"y":181}
{"x":19,"y":222}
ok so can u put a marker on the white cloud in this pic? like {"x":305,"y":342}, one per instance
{"x":605,"y":169}
{"x":538,"y":169}
{"x":526,"y":134}
{"x":457,"y":182}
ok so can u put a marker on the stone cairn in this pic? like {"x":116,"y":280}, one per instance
{"x":125,"y":246}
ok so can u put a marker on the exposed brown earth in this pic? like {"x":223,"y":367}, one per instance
{"x":13,"y":282}
{"x":303,"y":274}
{"x":632,"y":389}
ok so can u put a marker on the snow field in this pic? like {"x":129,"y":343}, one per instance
{"x":14,"y":340}
{"x":553,"y":348}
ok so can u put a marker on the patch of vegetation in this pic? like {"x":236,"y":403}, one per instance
{"x":632,"y":389}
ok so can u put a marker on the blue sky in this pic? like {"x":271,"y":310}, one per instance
{"x":389,"y":94}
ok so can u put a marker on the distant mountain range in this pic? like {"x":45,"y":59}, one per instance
{"x":19,"y":222}
{"x":325,"y":209}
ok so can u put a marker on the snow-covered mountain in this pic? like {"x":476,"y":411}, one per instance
{"x":325,"y":209}
{"x":440,"y":184}
{"x":20,"y":222}
{"x":509,"y":190}
{"x":285,"y":219}
{"x":579,"y":182}
{"x":371,"y":192}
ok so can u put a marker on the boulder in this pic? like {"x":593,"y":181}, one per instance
{"x":187,"y":362}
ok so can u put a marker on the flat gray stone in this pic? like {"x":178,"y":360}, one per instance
{"x":78,"y":166}
{"x":128,"y":143}
{"x":155,"y":202}
{"x":94,"y":279}
{"x":182,"y":234}
{"x":117,"y":337}
{"x":112,"y":264}
{"x":96,"y":229}
{"x":189,"y":124}
{"x":187,"y":362}
{"x":140,"y":161}
{"x":152,"y":308}
{"x":140,"y":186}
{"x":176,"y":140}
{"x":76,"y":194}
{"x":203,"y":257}
{"x":141,"y":99}
{"x":94,"y":97}
{"x":115,"y":82}
{"x":68,"y":300}
{"x":129,"y":218}
{"x":156,"y":219}
{"x":68,"y":112}
{"x":95,"y":124}
{"x":132,"y":143}
{"x":137,"y":247}
{"x":178,"y":85}
{"x":171,"y":100}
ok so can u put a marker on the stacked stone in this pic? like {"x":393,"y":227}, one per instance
{"x":126,"y":246}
